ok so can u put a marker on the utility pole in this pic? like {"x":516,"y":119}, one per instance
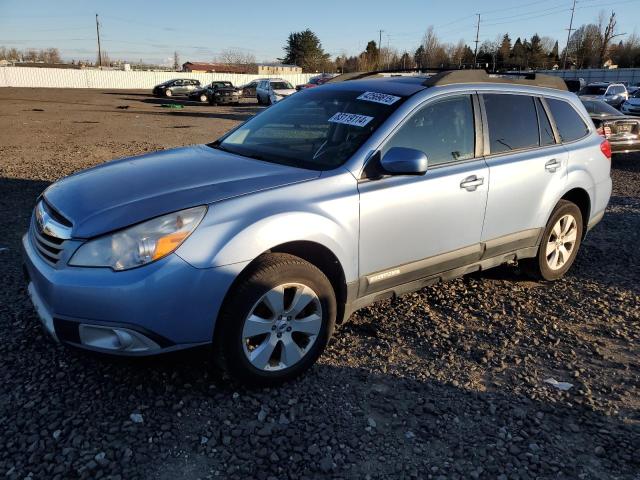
{"x":99,"y":50}
{"x":566,"y":48}
{"x":379,"y":46}
{"x":475,"y":53}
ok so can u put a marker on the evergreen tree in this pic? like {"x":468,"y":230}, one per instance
{"x":305,"y":50}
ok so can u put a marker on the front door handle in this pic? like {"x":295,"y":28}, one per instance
{"x":471,"y":183}
{"x":552,"y":165}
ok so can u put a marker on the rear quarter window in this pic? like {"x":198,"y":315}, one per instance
{"x":568,"y":122}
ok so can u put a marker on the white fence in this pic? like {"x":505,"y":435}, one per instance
{"x":631,"y":75}
{"x":68,"y":78}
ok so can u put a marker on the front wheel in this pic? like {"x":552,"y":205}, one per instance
{"x":168,"y":93}
{"x":203,"y":97}
{"x":276,"y":322}
{"x":560,"y":243}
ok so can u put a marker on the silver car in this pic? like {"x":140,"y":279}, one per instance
{"x":615,"y":94}
{"x":336,"y":197}
{"x":272,"y":90}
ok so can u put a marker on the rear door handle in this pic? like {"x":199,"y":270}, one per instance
{"x":552,"y":165}
{"x":471,"y":183}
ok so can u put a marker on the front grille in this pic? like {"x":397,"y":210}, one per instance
{"x":49,"y":231}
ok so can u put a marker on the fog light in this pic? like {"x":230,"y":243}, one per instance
{"x":115,"y":339}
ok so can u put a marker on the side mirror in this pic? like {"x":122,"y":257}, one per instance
{"x":404,"y":161}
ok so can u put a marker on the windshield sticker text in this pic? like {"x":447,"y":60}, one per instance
{"x":383,"y":98}
{"x":350,"y":119}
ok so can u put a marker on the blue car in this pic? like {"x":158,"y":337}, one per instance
{"x":259,"y":243}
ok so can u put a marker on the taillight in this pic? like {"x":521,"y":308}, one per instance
{"x":605,"y":147}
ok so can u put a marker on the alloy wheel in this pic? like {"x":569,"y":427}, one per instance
{"x":561,"y":242}
{"x":282,"y":326}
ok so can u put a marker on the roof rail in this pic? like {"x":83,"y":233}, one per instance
{"x":448,"y":76}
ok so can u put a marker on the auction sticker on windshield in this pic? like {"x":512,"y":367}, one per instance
{"x":383,"y":98}
{"x":350,"y":119}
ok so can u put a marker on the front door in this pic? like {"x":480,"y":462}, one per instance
{"x":415,"y":226}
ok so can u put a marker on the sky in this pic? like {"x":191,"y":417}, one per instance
{"x":151,"y":31}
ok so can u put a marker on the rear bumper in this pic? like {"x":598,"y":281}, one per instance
{"x":628,"y":146}
{"x":225,"y":100}
{"x":167,"y":305}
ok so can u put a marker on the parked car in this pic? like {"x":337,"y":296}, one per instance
{"x":248,"y":90}
{"x":273,"y":90}
{"x":622,"y":131}
{"x":316,"y":81}
{"x":615,"y":94}
{"x":202,"y":94}
{"x":575,"y":84}
{"x":177,"y":86}
{"x":632,"y":105}
{"x":223,"y":93}
{"x":262,"y":241}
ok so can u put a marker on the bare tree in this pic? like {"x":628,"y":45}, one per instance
{"x":607,"y":33}
{"x":176,"y":61}
{"x":236,"y":56}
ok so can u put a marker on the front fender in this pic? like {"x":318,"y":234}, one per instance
{"x":324,"y":211}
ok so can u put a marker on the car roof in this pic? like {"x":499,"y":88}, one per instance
{"x":397,"y":85}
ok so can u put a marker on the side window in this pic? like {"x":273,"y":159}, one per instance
{"x":568,"y":122}
{"x":512,"y":121}
{"x":444,"y":130}
{"x":177,"y":83}
{"x":546,"y":132}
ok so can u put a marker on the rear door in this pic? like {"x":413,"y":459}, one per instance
{"x":527,"y":170}
{"x":415,"y":226}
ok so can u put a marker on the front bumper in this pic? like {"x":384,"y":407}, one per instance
{"x":166,"y":305}
{"x":225,"y":99}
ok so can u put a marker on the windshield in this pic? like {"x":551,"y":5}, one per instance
{"x":636,"y":94}
{"x":600,"y":108}
{"x":221,"y":84}
{"x":318,"y":129}
{"x":594,"y":90}
{"x":281,"y":86}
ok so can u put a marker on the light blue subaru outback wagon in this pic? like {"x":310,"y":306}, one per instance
{"x":262,"y":241}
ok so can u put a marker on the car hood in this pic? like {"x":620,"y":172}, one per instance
{"x":127,"y":191}
{"x":285,"y":91}
{"x":634,"y":101}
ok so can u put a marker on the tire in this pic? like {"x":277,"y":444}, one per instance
{"x":552,"y":263}
{"x":269,"y":102}
{"x":203,"y":98}
{"x":168,"y":93}
{"x":259,"y":99}
{"x":260,"y":347}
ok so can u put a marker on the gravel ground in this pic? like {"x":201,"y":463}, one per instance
{"x":445,"y":383}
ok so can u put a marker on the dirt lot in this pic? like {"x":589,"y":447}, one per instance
{"x":446,"y":383}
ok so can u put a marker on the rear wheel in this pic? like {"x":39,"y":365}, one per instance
{"x":203,"y":97}
{"x":560,"y":243}
{"x":276,"y":322}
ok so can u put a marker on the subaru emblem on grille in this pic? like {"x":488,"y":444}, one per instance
{"x":48,"y":225}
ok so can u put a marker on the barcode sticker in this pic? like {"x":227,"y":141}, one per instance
{"x":350,"y":119}
{"x":383,"y":98}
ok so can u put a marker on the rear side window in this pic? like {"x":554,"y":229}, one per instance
{"x":546,"y":132}
{"x":568,"y":122}
{"x":513,"y":122}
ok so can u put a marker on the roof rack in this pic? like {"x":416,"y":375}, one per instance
{"x":447,"y":76}
{"x":481,"y":76}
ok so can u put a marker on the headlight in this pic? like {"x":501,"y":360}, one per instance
{"x":143,"y":243}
